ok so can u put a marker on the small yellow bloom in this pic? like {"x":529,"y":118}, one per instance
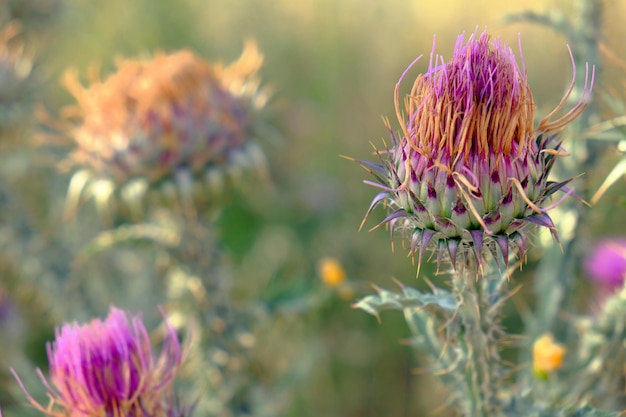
{"x":547,"y":355}
{"x":331,"y":272}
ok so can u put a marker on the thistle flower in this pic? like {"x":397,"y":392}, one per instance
{"x":175,"y":124}
{"x":107,"y":368}
{"x":468,"y":170}
{"x":606,"y":263}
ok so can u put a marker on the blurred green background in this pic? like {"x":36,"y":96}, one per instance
{"x":333,"y":65}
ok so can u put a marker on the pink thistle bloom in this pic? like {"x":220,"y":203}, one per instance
{"x":468,"y":169}
{"x":606,"y":264}
{"x":107,"y":368}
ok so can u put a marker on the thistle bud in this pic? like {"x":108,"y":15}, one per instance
{"x":175,"y":126}
{"x":468,"y":170}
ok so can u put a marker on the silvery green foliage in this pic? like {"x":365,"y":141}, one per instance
{"x":458,"y":329}
{"x":601,"y":356}
{"x":526,"y":408}
{"x":439,"y":299}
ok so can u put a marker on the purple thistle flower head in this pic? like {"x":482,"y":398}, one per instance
{"x":468,"y":169}
{"x":606,"y":264}
{"x":107,"y":368}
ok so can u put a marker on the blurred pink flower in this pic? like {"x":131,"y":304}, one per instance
{"x":606,"y":263}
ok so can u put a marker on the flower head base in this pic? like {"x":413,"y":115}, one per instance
{"x":107,"y":368}
{"x":173,"y":122}
{"x":468,"y":170}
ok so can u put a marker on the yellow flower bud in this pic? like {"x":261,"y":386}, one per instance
{"x":547,"y":355}
{"x":331,"y":272}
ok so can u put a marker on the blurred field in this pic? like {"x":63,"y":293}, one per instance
{"x":333,"y":66}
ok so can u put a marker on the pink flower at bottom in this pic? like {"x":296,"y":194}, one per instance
{"x":108,"y":369}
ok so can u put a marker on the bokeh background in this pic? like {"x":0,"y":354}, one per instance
{"x":333,"y":66}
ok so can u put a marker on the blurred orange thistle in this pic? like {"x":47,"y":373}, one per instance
{"x":172,"y":118}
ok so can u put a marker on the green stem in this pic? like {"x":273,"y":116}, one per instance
{"x":479,"y":299}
